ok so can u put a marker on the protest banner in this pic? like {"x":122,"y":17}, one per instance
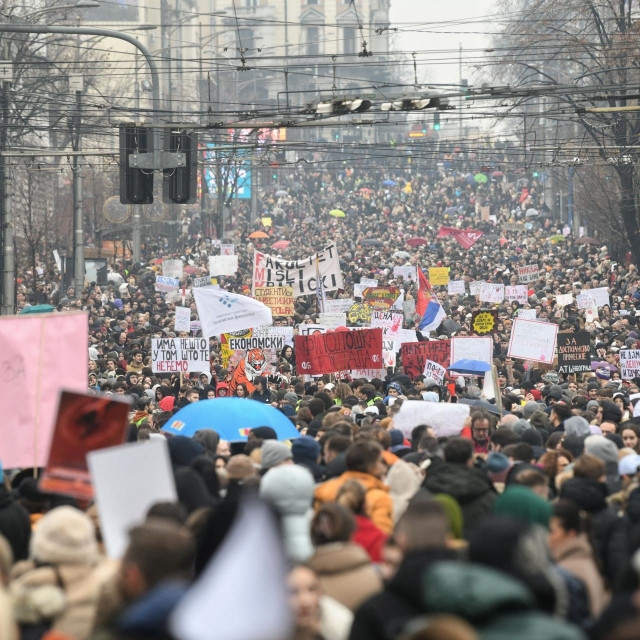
{"x":270,"y":271}
{"x":339,"y":351}
{"x":438,"y":275}
{"x":483,"y":322}
{"x":629,"y":363}
{"x":402,"y":336}
{"x":278,"y":299}
{"x":517,"y":293}
{"x":182,"y":320}
{"x":312,"y":329}
{"x":528,"y":273}
{"x":485,"y":212}
{"x":166,"y":285}
{"x":359,"y":312}
{"x":434,"y":371}
{"x":446,"y":419}
{"x":465,"y":237}
{"x":223,"y":265}
{"x":415,"y":354}
{"x":585,"y":301}
{"x":600,"y":296}
{"x":127,"y":480}
{"x":514,"y":226}
{"x":341,"y":305}
{"x":41,"y":354}
{"x":368,"y":374}
{"x":472,"y":348}
{"x":266,"y":221}
{"x":235,"y":345}
{"x":564,"y":299}
{"x":406,"y":273}
{"x":531,"y":340}
{"x":84,"y":423}
{"x":204,"y":281}
{"x":369,"y":282}
{"x":380,"y":297}
{"x":492,"y":292}
{"x":456,"y":287}
{"x":333,"y":320}
{"x":475,"y":287}
{"x":390,"y":322}
{"x":527,"y":314}
{"x":227,"y":250}
{"x":172,"y":269}
{"x":179,"y":354}
{"x":574,"y":352}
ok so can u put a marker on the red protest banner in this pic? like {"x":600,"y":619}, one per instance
{"x":339,"y":351}
{"x":380,"y":297}
{"x":415,"y":354}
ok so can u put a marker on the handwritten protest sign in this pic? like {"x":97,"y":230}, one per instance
{"x":585,"y":301}
{"x":528,"y":273}
{"x":341,"y":305}
{"x":333,"y":320}
{"x":517,"y":293}
{"x":475,"y":287}
{"x":205,"y":281}
{"x":380,"y":297}
{"x":182,"y":320}
{"x":223,"y":265}
{"x":439,"y":275}
{"x":531,"y":340}
{"x":434,"y":371}
{"x":270,"y":271}
{"x":390,"y":322}
{"x":483,"y":322}
{"x":339,"y":351}
{"x":492,"y":292}
{"x":166,"y":285}
{"x":415,"y":354}
{"x":227,"y":249}
{"x":564,"y":299}
{"x":359,"y":312}
{"x":456,"y":287}
{"x":472,"y":348}
{"x":406,"y":273}
{"x":446,"y":419}
{"x":629,"y":363}
{"x":172,"y":269}
{"x":312,"y":329}
{"x":278,"y":299}
{"x":179,"y":354}
{"x":234,"y":346}
{"x":527,"y":314}
{"x":574,"y":352}
{"x":600,"y":296}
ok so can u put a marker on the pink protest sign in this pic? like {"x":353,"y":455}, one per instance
{"x":39,"y":356}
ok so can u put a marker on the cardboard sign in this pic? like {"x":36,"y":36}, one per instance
{"x":517,"y":293}
{"x":415,"y":354}
{"x":270,"y":271}
{"x":341,"y":305}
{"x":483,"y":322}
{"x":182,"y":320}
{"x":312,"y":329}
{"x":585,"y":301}
{"x":234,"y":346}
{"x":359,"y":312}
{"x":368,"y":282}
{"x":528,"y":273}
{"x":84,"y":423}
{"x":339,"y":351}
{"x":166,"y":285}
{"x":278,"y":299}
{"x":439,"y":275}
{"x":333,"y":320}
{"x":456,"y":287}
{"x":179,"y":354}
{"x":223,"y":265}
{"x":380,"y":297}
{"x":492,"y":292}
{"x":531,"y":340}
{"x":406,"y":273}
{"x":564,"y":300}
{"x":600,"y":296}
{"x":446,"y":419}
{"x":127,"y":480}
{"x":41,"y":354}
{"x":629,"y":363}
{"x":527,"y":314}
{"x":434,"y":371}
{"x":475,"y":287}
{"x":574,"y":352}
{"x":205,"y":281}
{"x":390,"y":322}
{"x":472,"y":348}
{"x":172,"y":269}
{"x":227,"y":250}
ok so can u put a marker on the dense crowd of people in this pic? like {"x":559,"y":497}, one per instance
{"x":526,"y":523}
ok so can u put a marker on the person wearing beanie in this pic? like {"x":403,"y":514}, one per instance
{"x":521,"y":503}
{"x":610,"y":412}
{"x":306,"y":453}
{"x":520,"y":426}
{"x":274,"y":454}
{"x":530,"y":408}
{"x":607,"y":451}
{"x":576,"y":426}
{"x":58,"y":587}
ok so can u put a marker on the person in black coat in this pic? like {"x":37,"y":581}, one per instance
{"x":15,"y":524}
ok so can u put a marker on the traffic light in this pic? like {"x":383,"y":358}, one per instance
{"x":436,"y":121}
{"x":180,"y":184}
{"x":136,"y":185}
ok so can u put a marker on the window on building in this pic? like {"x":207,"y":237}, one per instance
{"x":349,"y":40}
{"x":246,"y":40}
{"x":313,"y":40}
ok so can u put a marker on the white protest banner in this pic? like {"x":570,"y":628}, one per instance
{"x":455,"y":287}
{"x":369,"y":374}
{"x":517,"y":293}
{"x":285,"y":332}
{"x":527,"y":314}
{"x":182,"y":320}
{"x":311,"y":329}
{"x":528,"y":273}
{"x":224,"y":265}
{"x":179,"y":354}
{"x":403,"y":336}
{"x":434,"y":371}
{"x":172,"y":269}
{"x":600,"y":296}
{"x":406,"y":273}
{"x":564,"y":299}
{"x":221,"y":311}
{"x":270,"y":271}
{"x":227,"y":250}
{"x":585,"y":301}
{"x":446,"y":419}
{"x":127,"y":480}
{"x":166,"y":285}
{"x":205,"y":281}
{"x":390,"y":322}
{"x":475,"y":287}
{"x":358,"y":290}
{"x":491,"y":292}
{"x":369,"y":282}
{"x":333,"y":320}
{"x":341,"y":305}
{"x":531,"y":340}
{"x":472,"y":348}
{"x":260,"y":338}
{"x":629,"y":363}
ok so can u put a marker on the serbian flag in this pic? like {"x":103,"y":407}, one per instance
{"x":465,"y":237}
{"x":424,"y":293}
{"x":433,"y":316}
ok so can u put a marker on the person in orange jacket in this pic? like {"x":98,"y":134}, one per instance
{"x":365,"y":463}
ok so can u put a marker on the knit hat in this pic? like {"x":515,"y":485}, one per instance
{"x":274,"y":452}
{"x":539,"y":420}
{"x":519,"y":426}
{"x":395,"y":386}
{"x":497,"y":462}
{"x":607,"y":451}
{"x":611,"y":411}
{"x":629,"y":465}
{"x":454,"y":514}
{"x":529,"y":409}
{"x":397,"y":438}
{"x":603,"y":373}
{"x":240,"y":467}
{"x":291,"y":398}
{"x":592,"y":404}
{"x":551,"y":377}
{"x":183,"y":450}
{"x":64,"y":535}
{"x":521,"y":503}
{"x":576,"y":425}
{"x":305,"y":448}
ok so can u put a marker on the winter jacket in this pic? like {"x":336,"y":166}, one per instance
{"x":266,"y":397}
{"x":369,"y":537}
{"x":345,"y":573}
{"x":404,"y":481}
{"x":470,"y":486}
{"x":378,"y":504}
{"x":15,"y":525}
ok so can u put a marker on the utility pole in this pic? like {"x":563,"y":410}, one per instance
{"x":76,"y":83}
{"x":136,"y":227}
{"x":6,"y":226}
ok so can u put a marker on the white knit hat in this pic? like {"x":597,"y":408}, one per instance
{"x":64,"y":535}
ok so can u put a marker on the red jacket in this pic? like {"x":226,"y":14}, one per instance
{"x":369,"y":537}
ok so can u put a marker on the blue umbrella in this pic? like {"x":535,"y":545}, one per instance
{"x":470,"y":367}
{"x":470,"y":179}
{"x":231,"y":418}
{"x":38,"y":308}
{"x":450,"y":211}
{"x":389,"y":183}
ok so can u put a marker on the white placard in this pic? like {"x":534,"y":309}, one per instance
{"x":285,"y":332}
{"x":600,"y":296}
{"x":527,"y":314}
{"x":434,"y":371}
{"x":472,"y":348}
{"x":205,"y":281}
{"x":225,"y":265}
{"x":585,"y":301}
{"x":341,"y":305}
{"x":531,"y":340}
{"x":182,"y":320}
{"x":456,"y":287}
{"x":333,"y":320}
{"x":127,"y":480}
{"x":358,"y":290}
{"x":566,"y":231}
{"x":446,"y":419}
{"x":172,"y":269}
{"x":564,"y":299}
{"x":475,"y":287}
{"x":406,"y":273}
{"x":409,"y":309}
{"x":166,"y":285}
{"x":528,"y":273}
{"x":179,"y":354}
{"x":369,"y":282}
{"x":629,"y":363}
{"x":402,"y":336}
{"x":390,"y":322}
{"x":492,"y":292}
{"x":310,"y":329}
{"x":227,"y":250}
{"x":517,"y":293}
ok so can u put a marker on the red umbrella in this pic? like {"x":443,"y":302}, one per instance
{"x":190,"y":270}
{"x":416,"y":242}
{"x":281,"y":244}
{"x":497,"y":174}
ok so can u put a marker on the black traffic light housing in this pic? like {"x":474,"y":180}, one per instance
{"x":136,"y":185}
{"x":180,"y":184}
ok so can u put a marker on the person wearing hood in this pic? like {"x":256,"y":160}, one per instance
{"x":404,"y":479}
{"x":222,"y":390}
{"x":208,"y":392}
{"x":607,"y":451}
{"x":393,"y":391}
{"x":262,"y":392}
{"x":306,"y":452}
